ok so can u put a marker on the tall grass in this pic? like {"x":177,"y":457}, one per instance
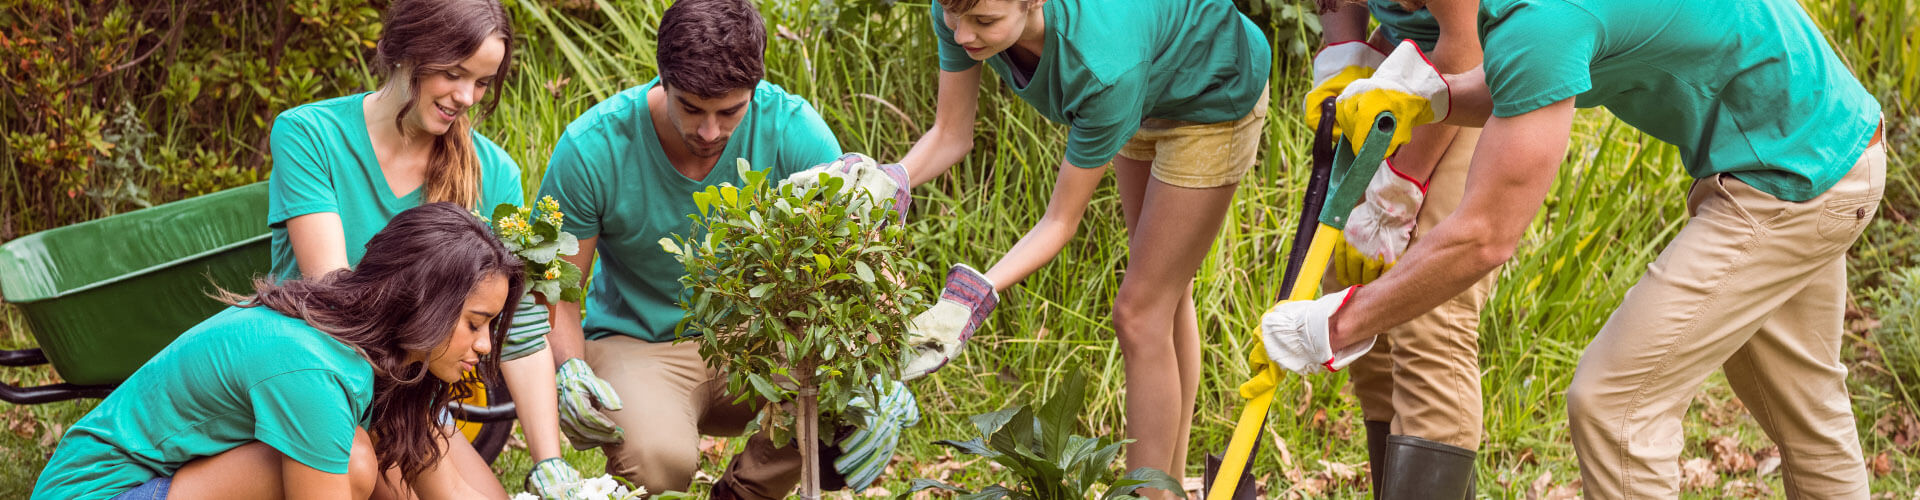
{"x":1618,"y":199}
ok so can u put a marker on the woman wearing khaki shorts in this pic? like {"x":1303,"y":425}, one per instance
{"x":1173,"y":94}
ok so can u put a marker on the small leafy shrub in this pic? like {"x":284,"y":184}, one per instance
{"x":533,"y":234}
{"x":794,"y":298}
{"x":1048,"y":460}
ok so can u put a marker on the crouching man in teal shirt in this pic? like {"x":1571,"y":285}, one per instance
{"x":624,"y":174}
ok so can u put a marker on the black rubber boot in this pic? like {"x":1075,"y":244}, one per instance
{"x":1377,"y":452}
{"x":1418,"y":468}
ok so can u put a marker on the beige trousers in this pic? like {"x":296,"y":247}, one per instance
{"x":1423,"y":377}
{"x":1752,"y":285}
{"x":671,"y":398}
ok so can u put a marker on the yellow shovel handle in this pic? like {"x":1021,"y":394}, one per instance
{"x":1247,"y":430}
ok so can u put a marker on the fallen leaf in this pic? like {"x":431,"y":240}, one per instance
{"x":1881,"y":465}
{"x":1727,"y":457}
{"x":1569,"y":491}
{"x":1697,"y":473}
{"x":1741,"y":488}
{"x":51,"y":437}
{"x":1538,"y":489}
{"x":1766,"y":461}
{"x":555,"y":85}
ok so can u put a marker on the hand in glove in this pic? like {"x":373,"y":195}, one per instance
{"x":938,"y":334}
{"x":1295,"y":335}
{"x":582,"y":397}
{"x":553,"y":479}
{"x":1380,"y":227}
{"x":1334,"y":68}
{"x":1405,"y":84}
{"x":882,"y":183}
{"x":867,"y":451}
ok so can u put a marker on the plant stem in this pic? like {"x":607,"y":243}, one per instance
{"x":807,"y":428}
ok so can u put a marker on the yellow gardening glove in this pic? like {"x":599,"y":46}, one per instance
{"x":1334,"y":68}
{"x":1350,"y":267}
{"x":1265,"y":375}
{"x":1405,"y":84}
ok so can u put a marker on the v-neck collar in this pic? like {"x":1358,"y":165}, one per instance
{"x":1044,"y":64}
{"x":365,"y":145}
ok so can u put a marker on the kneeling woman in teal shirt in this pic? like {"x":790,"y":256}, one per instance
{"x":284,"y":394}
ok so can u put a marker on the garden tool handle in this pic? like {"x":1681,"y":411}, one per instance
{"x":1352,"y":170}
{"x":1306,"y":262}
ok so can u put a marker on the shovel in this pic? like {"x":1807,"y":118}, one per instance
{"x":1339,"y":177}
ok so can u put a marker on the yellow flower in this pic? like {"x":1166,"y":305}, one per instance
{"x":553,"y":273}
{"x":547,"y":204}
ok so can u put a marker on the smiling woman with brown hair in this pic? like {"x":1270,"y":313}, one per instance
{"x":285,"y":394}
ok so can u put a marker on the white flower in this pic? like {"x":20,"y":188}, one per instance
{"x":599,"y":488}
{"x":525,"y":496}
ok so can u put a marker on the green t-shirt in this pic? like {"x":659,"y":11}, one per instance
{"x":323,"y":161}
{"x":1749,"y":88}
{"x":614,"y":182}
{"x":1398,"y":23}
{"x":1109,"y":65}
{"x":244,"y":375}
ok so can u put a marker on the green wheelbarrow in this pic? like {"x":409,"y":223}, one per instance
{"x":103,"y":296}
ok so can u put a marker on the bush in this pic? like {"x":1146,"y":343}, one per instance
{"x":120,"y":104}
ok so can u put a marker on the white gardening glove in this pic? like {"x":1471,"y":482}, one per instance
{"x":1405,"y":84}
{"x":882,"y":183}
{"x":1380,"y":227}
{"x":937,"y":335}
{"x":1336,"y":67}
{"x":1295,"y":335}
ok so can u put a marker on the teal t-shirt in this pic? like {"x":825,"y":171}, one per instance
{"x":1749,"y":88}
{"x":1109,"y":65}
{"x":1398,"y":23}
{"x":244,"y":375}
{"x":614,"y":182}
{"x":323,"y":161}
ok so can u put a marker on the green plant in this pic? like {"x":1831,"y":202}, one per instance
{"x":533,"y":234}
{"x":1048,"y":459}
{"x":794,"y":295}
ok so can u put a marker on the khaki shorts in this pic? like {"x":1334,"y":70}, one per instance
{"x":1200,"y":155}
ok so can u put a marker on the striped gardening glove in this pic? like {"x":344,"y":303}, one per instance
{"x":1377,"y":233}
{"x":882,"y":183}
{"x":1334,"y":68}
{"x":937,"y":335}
{"x":582,"y":397}
{"x":1405,"y":84}
{"x":1295,"y":333}
{"x":553,"y":479}
{"x":528,"y":333}
{"x":867,"y":451}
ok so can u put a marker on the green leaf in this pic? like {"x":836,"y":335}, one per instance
{"x":730,"y":194}
{"x":667,"y":245}
{"x":542,"y":253}
{"x":703,"y":201}
{"x":821,"y":263}
{"x":760,"y":291}
{"x":503,"y":210}
{"x":866,"y":273}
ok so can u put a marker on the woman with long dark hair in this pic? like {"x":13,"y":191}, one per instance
{"x":342,"y":167}
{"x":287,"y":394}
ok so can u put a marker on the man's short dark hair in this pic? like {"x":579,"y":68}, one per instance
{"x":711,"y":47}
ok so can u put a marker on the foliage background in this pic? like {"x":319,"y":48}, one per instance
{"x":110,"y":105}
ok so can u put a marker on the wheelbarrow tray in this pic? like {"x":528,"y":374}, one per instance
{"x":103,"y":296}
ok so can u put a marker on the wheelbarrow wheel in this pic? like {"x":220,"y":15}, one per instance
{"x":488,"y":435}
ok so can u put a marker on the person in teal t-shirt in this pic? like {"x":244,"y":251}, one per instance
{"x":1172,"y":94}
{"x":285,"y":394}
{"x":343,"y":167}
{"x":624,"y":174}
{"x":1783,"y":144}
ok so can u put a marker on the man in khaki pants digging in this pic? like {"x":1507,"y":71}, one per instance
{"x":1784,"y":146}
{"x":1419,"y":387}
